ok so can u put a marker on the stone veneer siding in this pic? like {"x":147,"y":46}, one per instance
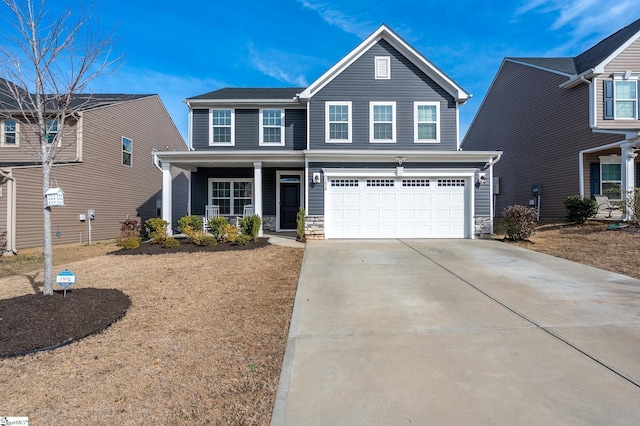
{"x":314,"y":227}
{"x":482,"y":226}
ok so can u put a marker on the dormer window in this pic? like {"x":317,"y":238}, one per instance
{"x":382,"y":67}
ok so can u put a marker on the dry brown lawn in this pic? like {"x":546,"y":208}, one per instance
{"x":202,"y":342}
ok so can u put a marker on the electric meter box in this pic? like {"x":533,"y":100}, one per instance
{"x":54,"y":197}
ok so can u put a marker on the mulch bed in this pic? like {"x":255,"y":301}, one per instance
{"x":187,"y":247}
{"x":36,"y":322}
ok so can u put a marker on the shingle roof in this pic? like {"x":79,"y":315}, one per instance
{"x":591,"y":57}
{"x":233,"y":93}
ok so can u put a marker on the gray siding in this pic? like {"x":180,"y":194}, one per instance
{"x":247,"y":130}
{"x":541,"y":128}
{"x":316,"y":191}
{"x":407,"y":84}
{"x":101,"y":182}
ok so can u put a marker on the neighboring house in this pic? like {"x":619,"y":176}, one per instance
{"x":104,"y":164}
{"x":370,"y":150}
{"x":569,"y":125}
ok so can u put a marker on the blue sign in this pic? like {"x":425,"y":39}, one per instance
{"x":66,"y":279}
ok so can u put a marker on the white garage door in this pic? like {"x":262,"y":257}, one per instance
{"x":432,"y":207}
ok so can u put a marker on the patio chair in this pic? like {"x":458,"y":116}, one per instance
{"x":605,"y":204}
{"x":210,"y":212}
{"x":248,"y":210}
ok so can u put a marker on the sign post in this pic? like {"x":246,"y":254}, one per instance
{"x":66,"y":279}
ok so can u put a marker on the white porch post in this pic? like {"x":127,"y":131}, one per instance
{"x":628,"y":181}
{"x":167,"y":208}
{"x":257,"y":192}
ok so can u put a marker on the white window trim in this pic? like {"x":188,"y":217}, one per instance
{"x":233,"y":125}
{"x":416,"y":122}
{"x":327,"y":123}
{"x":123,"y":151}
{"x":2,"y":135}
{"x":372,"y":122}
{"x":382,"y":67}
{"x":620,"y":78}
{"x":262,"y":126}
{"x":48,"y":122}
{"x":253,"y":191}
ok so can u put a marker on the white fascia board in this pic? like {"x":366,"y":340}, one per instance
{"x":409,"y":52}
{"x":294,"y":102}
{"x":392,"y":172}
{"x":406,"y":156}
{"x":577,"y":79}
{"x":600,"y":67}
{"x":527,"y":64}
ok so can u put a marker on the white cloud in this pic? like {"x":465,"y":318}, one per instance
{"x":279,"y":65}
{"x":332,"y":16}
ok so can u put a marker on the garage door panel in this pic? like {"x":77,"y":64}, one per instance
{"x":396,"y":208}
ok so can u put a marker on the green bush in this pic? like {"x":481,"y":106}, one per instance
{"x":208,"y":241}
{"x":580,"y":209}
{"x":520,"y":222}
{"x":170,"y":242}
{"x":157,"y":229}
{"x":216,"y":226}
{"x":242,"y":240}
{"x":250,"y":225}
{"x":129,"y":237}
{"x":129,"y":243}
{"x":229,"y":233}
{"x":193,"y":222}
{"x":300,"y":221}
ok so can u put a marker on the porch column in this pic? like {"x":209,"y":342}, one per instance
{"x":257,"y":191}
{"x":166,"y":195}
{"x":628,"y":178}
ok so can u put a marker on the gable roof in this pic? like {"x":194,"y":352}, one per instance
{"x":405,"y":49}
{"x":249,"y":94}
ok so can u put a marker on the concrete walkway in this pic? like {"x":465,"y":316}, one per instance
{"x":419,"y":332}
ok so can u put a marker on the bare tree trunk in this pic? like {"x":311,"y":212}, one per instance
{"x":47,"y":251}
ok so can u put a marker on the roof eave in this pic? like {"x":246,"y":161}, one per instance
{"x":578,"y":79}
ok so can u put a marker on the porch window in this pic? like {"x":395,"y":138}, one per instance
{"x":611,"y":179}
{"x":426,"y":123}
{"x":231,"y":195}
{"x":9,"y":134}
{"x":222,"y":122}
{"x":382,"y":124}
{"x":338,"y":122}
{"x":271,"y":127}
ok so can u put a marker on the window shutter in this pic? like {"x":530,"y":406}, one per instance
{"x":595,"y":178}
{"x":608,"y":99}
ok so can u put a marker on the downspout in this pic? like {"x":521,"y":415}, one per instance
{"x":11,"y":212}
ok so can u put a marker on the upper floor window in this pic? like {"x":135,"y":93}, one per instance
{"x":382,"y":121}
{"x":338,"y":122}
{"x":271,"y":127}
{"x":426,"y":122}
{"x":621,"y":99}
{"x":9,"y":135}
{"x":222,"y":124}
{"x":127,"y":147}
{"x":51,"y":130}
{"x":382,"y":67}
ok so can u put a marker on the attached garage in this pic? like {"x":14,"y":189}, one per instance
{"x":413,"y":205}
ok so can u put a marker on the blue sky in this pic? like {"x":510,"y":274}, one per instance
{"x":179,"y":50}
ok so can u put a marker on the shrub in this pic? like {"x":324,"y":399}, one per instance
{"x":193,"y":222}
{"x":216,"y":226}
{"x":170,"y":242}
{"x":228,"y":233}
{"x":157,"y":229}
{"x":129,"y":237}
{"x":242,"y":240}
{"x":580,"y":209}
{"x":631,"y":209}
{"x":208,"y":241}
{"x":519,"y":221}
{"x":300,"y":223}
{"x":250,"y":225}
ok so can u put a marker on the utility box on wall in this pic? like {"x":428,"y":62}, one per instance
{"x":54,"y":197}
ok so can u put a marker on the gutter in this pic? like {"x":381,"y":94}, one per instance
{"x":579,"y":78}
{"x":11,"y":212}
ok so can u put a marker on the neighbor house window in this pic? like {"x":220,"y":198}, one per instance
{"x":9,"y":135}
{"x":338,"y":122}
{"x":222,"y":123}
{"x":382,"y":67}
{"x":426,"y":122}
{"x":127,"y":146}
{"x":231,"y":195}
{"x":51,"y":128}
{"x":272,"y":127}
{"x":610,"y":176}
{"x":382,"y":121}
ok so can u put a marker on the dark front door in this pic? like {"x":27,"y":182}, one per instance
{"x":289,"y":204}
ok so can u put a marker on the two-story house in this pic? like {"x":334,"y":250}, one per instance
{"x":567,"y":126}
{"x":103,"y":164}
{"x":369,"y":150}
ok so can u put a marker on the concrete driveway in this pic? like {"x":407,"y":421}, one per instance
{"x":392,"y":332}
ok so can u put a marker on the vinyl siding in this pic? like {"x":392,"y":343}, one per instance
{"x":407,"y":84}
{"x":541,"y":128}
{"x":247,"y":130}
{"x":101,"y":182}
{"x":4,"y":200}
